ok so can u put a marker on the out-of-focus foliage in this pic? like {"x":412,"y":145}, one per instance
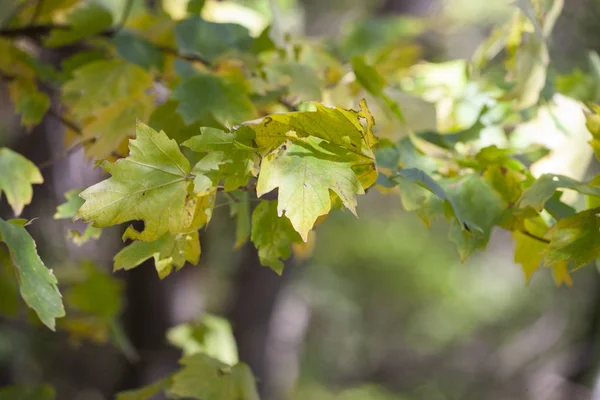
{"x":185,"y":105}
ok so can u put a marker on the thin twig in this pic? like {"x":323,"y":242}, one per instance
{"x":188,"y":57}
{"x":68,"y":151}
{"x":36,"y":12}
{"x":247,"y":188}
{"x":535,"y":237}
{"x":66,"y":122}
{"x":125,"y":16}
{"x":287,"y":104}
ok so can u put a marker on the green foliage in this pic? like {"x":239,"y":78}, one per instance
{"x":18,"y":174}
{"x":184,"y":112}
{"x":37,"y":283}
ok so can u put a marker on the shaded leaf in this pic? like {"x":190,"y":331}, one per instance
{"x":29,"y":101}
{"x":168,"y":251}
{"x":100,"y":83}
{"x":87,"y":19}
{"x":197,"y":36}
{"x":543,"y":189}
{"x":38,"y":285}
{"x":138,"y":51}
{"x":272,"y":235}
{"x":213,"y":101}
{"x":574,"y":240}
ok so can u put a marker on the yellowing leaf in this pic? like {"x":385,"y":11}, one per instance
{"x":152,"y":184}
{"x":305,"y":171}
{"x":101,"y":83}
{"x":529,"y":252}
{"x":29,"y":101}
{"x":168,"y":251}
{"x":575,"y":239}
{"x":17,"y":174}
{"x":272,"y":235}
{"x":38,"y":285}
{"x":335,"y":125}
{"x":116,"y":123}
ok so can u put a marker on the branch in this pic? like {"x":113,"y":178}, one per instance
{"x":187,"y":57}
{"x":32,"y":31}
{"x":126,"y":12}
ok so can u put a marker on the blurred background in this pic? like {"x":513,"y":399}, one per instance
{"x":381,"y":308}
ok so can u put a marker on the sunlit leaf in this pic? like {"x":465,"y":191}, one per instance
{"x":542,"y":190}
{"x":153,"y":184}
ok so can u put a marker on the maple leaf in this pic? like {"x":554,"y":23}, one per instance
{"x":305,"y":170}
{"x":272,"y":235}
{"x":38,"y":285}
{"x":152,"y":184}
{"x":16,"y":178}
{"x":168,"y":251}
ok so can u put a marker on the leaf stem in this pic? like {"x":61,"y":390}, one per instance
{"x":535,"y":237}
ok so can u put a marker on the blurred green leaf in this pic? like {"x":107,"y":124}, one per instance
{"x":211,"y":335}
{"x":18,"y":174}
{"x":542,"y":190}
{"x":197,"y":36}
{"x":87,"y":19}
{"x":272,"y":235}
{"x":213,"y":101}
{"x":204,"y":378}
{"x":138,"y":51}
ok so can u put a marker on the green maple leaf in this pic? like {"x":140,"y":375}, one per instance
{"x":68,"y":210}
{"x":205,"y":378}
{"x":168,"y":251}
{"x":152,"y":184}
{"x":18,"y":174}
{"x":477,"y":201}
{"x":100,"y":83}
{"x":305,"y":171}
{"x":227,"y":154}
{"x":165,"y":118}
{"x":299,"y":79}
{"x":575,"y":239}
{"x":239,"y":203}
{"x":211,"y":39}
{"x":213,"y":100}
{"x":272,"y":235}
{"x":543,"y":189}
{"x":38,"y":285}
